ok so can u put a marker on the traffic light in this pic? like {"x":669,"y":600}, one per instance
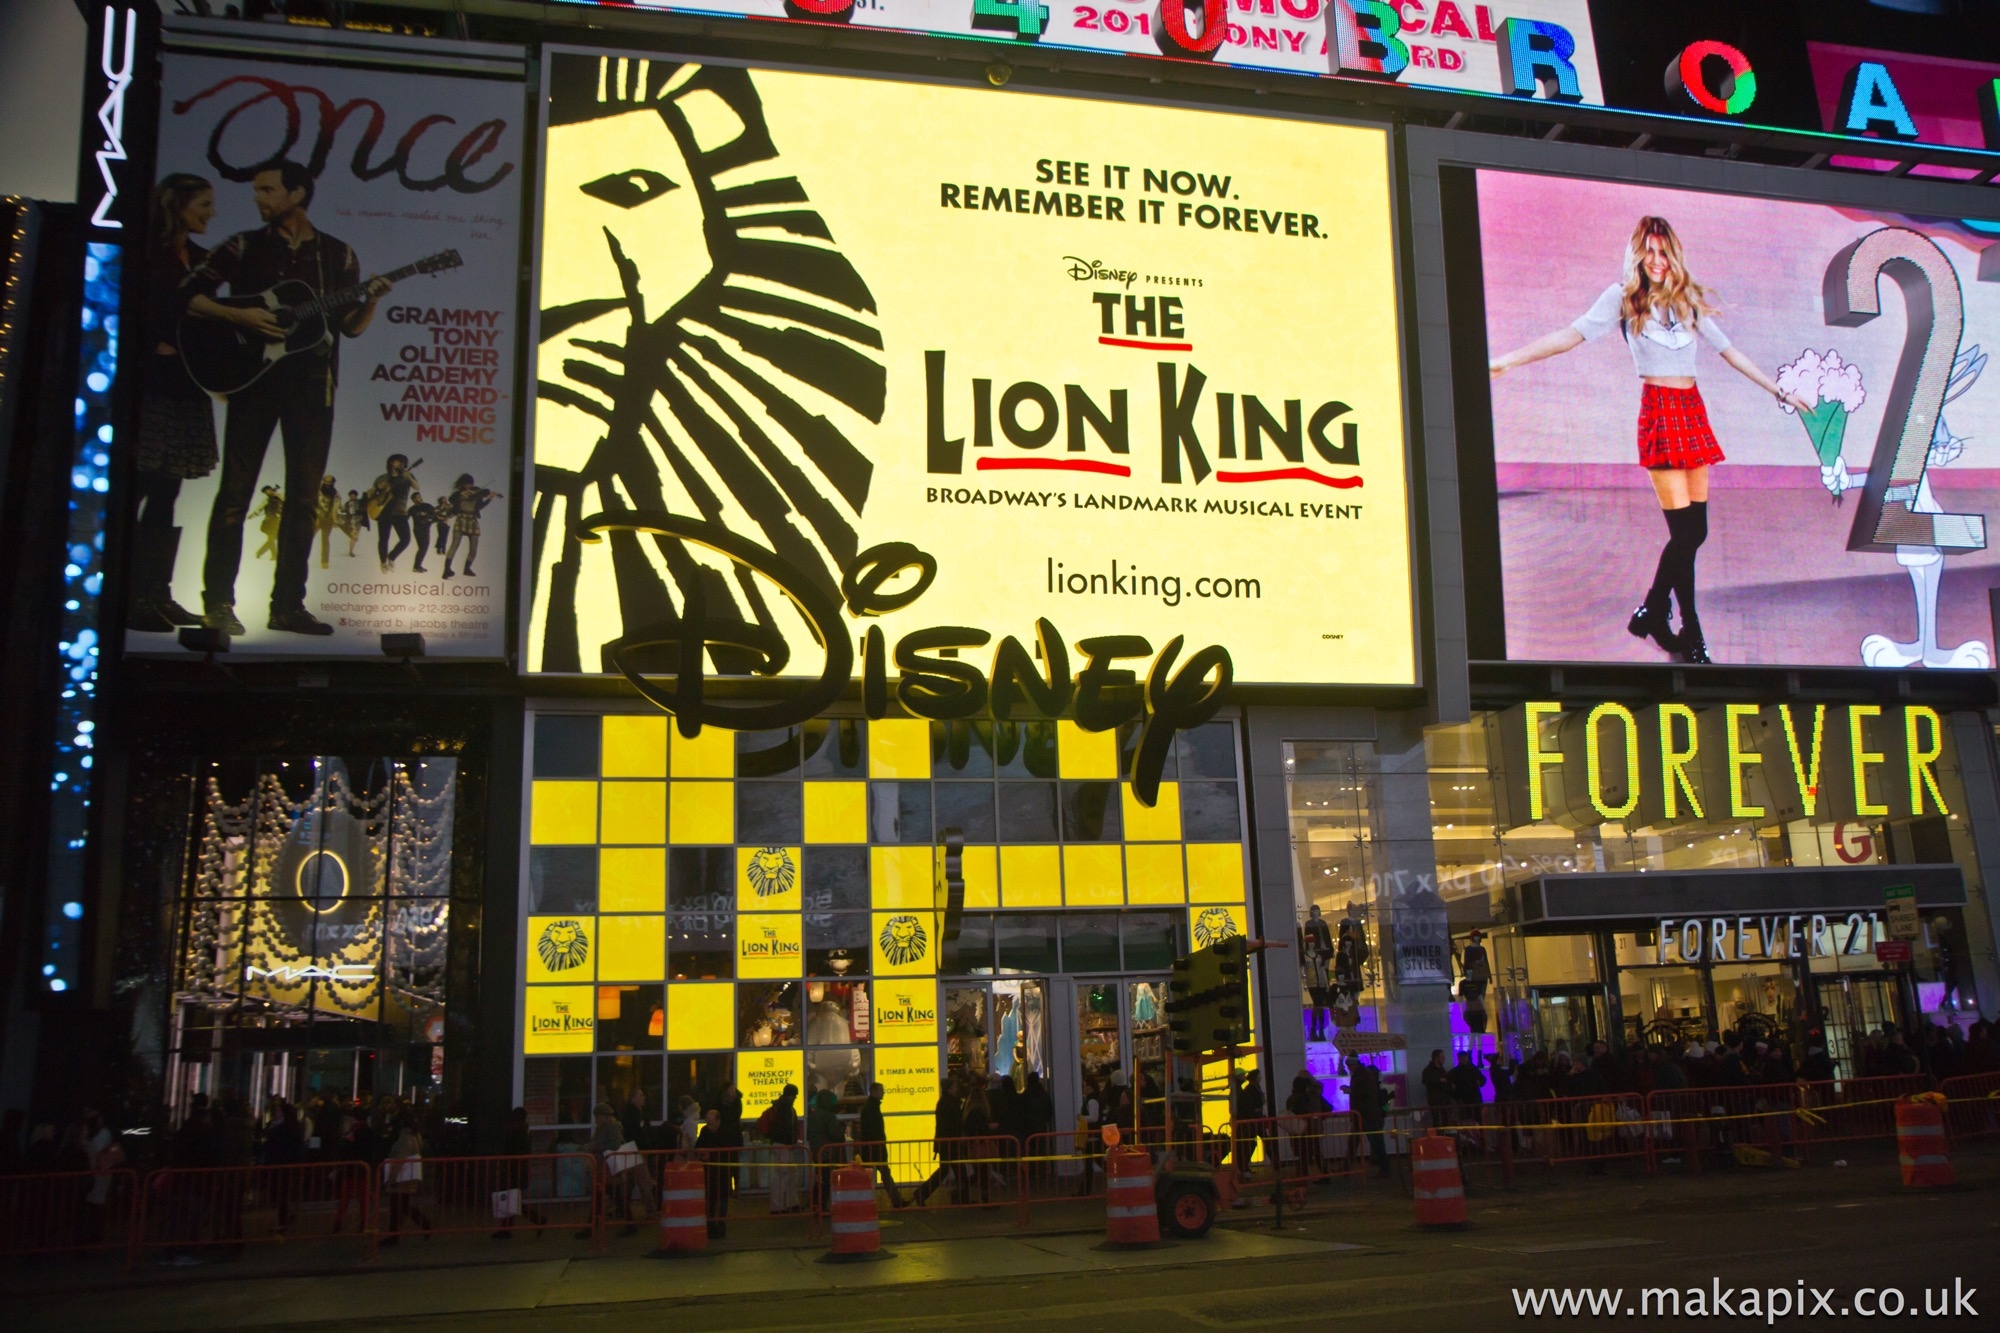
{"x":1208,"y":998}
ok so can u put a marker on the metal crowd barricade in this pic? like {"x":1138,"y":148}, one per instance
{"x":1973,"y":1109}
{"x":1855,"y":1109}
{"x":1699,"y":1127}
{"x":185,"y":1212}
{"x":759,"y":1183}
{"x":68,"y":1212}
{"x":1302,"y":1150}
{"x":984,"y":1171}
{"x":531,"y":1193}
{"x":1593,"y":1130}
{"x":1062,"y":1164}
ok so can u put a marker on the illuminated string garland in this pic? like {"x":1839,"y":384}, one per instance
{"x":78,"y":645}
{"x":244,"y":948}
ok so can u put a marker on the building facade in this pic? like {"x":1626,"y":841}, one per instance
{"x":946,"y":558}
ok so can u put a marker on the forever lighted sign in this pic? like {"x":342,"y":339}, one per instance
{"x":1673,"y":763}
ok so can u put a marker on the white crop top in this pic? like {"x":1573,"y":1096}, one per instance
{"x":1664,"y":350}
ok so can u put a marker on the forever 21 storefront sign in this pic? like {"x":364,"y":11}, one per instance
{"x":1726,"y":939}
{"x":1036,"y":367}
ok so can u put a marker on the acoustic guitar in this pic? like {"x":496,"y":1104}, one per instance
{"x":224,"y":358}
{"x":378,"y":496}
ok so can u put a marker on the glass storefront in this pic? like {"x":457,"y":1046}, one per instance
{"x":1773,"y":977}
{"x":762,"y":908}
{"x":312,"y":932}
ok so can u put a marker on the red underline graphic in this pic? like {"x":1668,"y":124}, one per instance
{"x":1151,"y":347}
{"x":1293,"y":474}
{"x":1052,"y":465}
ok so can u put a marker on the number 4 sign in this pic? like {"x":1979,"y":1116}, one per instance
{"x":1025,"y":18}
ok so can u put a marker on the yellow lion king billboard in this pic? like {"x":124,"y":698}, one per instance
{"x":1128,"y":370}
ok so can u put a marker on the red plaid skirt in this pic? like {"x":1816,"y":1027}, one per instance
{"x":1674,"y":430}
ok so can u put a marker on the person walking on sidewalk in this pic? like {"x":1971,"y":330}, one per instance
{"x":1246,"y":1109}
{"x":1466,"y":1085}
{"x":1089,"y":1131}
{"x":981,"y":1146}
{"x":1437,"y":1091}
{"x":946,"y":1125}
{"x":1369,"y":1100}
{"x":607,"y":1136}
{"x":357,"y":1155}
{"x":780,"y":1125}
{"x":731,"y":1108}
{"x":826,"y":1141}
{"x":284,"y":1150}
{"x":513,"y":1172}
{"x":403,"y":1172}
{"x":872,"y":1143}
{"x":710,"y":1147}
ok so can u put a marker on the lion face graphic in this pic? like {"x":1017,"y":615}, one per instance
{"x":771,"y":872}
{"x":903,"y":940}
{"x":563,"y":945}
{"x":1213,"y":925}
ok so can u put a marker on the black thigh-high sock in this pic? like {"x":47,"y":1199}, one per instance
{"x":1694,"y":531}
{"x":1669,"y":566}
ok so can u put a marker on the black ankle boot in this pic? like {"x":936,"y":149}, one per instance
{"x":1693,"y":650}
{"x":1650,"y":622}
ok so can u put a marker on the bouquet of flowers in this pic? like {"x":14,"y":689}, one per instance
{"x":1833,"y":387}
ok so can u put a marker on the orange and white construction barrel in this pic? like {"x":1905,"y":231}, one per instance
{"x":1921,"y":1145}
{"x":1439,"y":1188}
{"x":683,"y":1223}
{"x":1130,"y":1215}
{"x":857,"y":1228}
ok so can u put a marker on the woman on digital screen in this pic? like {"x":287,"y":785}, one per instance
{"x":1660,"y":310}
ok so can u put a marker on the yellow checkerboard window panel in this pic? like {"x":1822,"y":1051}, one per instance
{"x":1030,"y":876}
{"x":1215,"y":872}
{"x":711,"y":754}
{"x":701,"y":1016}
{"x":561,"y":811}
{"x":635,"y":746}
{"x":701,"y":812}
{"x":836,"y":812}
{"x":632,"y":812}
{"x":981,"y":869}
{"x":1162,"y":823}
{"x":1154,"y":874}
{"x":903,"y":877}
{"x":631,"y":948}
{"x":899,"y":748}
{"x":1093,"y":876}
{"x":1084,"y":754}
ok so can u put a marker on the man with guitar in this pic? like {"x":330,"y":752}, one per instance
{"x":294,"y":394}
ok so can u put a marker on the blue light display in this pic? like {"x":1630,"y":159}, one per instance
{"x":79,"y":639}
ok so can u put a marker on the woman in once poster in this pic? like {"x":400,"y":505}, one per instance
{"x":176,"y":436}
{"x":1661,"y":310}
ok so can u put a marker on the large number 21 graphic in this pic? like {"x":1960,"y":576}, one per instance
{"x":1934,"y":307}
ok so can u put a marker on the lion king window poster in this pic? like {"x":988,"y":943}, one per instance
{"x":1129,"y":371}
{"x":325,"y":435}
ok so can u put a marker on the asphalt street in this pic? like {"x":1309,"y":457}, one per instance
{"x":1818,"y":1235}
